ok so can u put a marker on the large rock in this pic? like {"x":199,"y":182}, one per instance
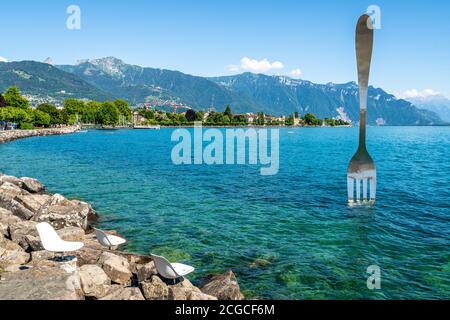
{"x":87,"y":255}
{"x":146,"y":271}
{"x":61,"y":212}
{"x":32,"y":202}
{"x":117,"y":268}
{"x":7,"y":219}
{"x":11,"y":254}
{"x":155,"y":289}
{"x":185,"y":290}
{"x":71,"y":234}
{"x":18,"y":209}
{"x":224,"y":287}
{"x":10,"y":189}
{"x":94,"y":281}
{"x":120,"y":293}
{"x":20,"y":232}
{"x":40,"y":284}
{"x":10,"y":179}
{"x":32,"y":185}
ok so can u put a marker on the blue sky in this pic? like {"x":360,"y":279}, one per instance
{"x":210,"y":38}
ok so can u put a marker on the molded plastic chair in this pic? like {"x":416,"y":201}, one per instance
{"x":169,"y":270}
{"x":108,"y":240}
{"x":52,"y":242}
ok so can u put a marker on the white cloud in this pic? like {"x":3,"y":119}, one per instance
{"x":233,"y":68}
{"x":414,"y":93}
{"x":296,"y":73}
{"x":261,"y":66}
{"x":2,"y":59}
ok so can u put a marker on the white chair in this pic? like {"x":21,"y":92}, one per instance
{"x":108,"y":240}
{"x":171,"y":271}
{"x":52,"y":242}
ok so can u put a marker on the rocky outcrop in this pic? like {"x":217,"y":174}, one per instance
{"x":6,"y":136}
{"x":27,"y":271}
{"x":224,"y":287}
{"x":116,"y":267}
{"x":94,"y":281}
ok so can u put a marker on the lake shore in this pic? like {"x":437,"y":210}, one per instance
{"x":28,"y":272}
{"x":11,"y":135}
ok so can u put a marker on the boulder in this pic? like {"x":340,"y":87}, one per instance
{"x":32,"y":185}
{"x":19,"y":232}
{"x":87,"y":255}
{"x":18,"y":209}
{"x":10,"y":179}
{"x":42,"y":255}
{"x":120,"y":293}
{"x":94,"y":281}
{"x":146,"y":271}
{"x":40,"y":284}
{"x":10,"y":189}
{"x":33,"y":243}
{"x":7,"y":219}
{"x":11,"y":254}
{"x":155,"y":289}
{"x":224,"y":287}
{"x":116,"y":267}
{"x":61,"y":212}
{"x":185,"y":290}
{"x":32,"y":202}
{"x":71,"y":234}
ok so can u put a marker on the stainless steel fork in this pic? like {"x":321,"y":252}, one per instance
{"x":361,"y":169}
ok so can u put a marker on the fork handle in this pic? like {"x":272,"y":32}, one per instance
{"x":364,"y":46}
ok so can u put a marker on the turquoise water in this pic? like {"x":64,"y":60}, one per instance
{"x":289,"y":236}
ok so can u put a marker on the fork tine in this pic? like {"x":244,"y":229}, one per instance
{"x":373,"y":188}
{"x":350,"y":189}
{"x":364,"y":183}
{"x":358,"y":189}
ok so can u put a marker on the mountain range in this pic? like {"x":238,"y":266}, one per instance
{"x":109,"y":78}
{"x":438,"y":104}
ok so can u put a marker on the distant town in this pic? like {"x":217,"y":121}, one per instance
{"x":19,"y":111}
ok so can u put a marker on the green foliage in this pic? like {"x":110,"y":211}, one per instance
{"x":14,"y":99}
{"x":41,"y":118}
{"x":3,"y":103}
{"x":124,"y":108}
{"x":26,"y":126}
{"x":17,"y":115}
{"x":311,"y":120}
{"x":228,"y":111}
{"x":108,"y":114}
{"x":56,"y":116}
{"x":191,"y":115}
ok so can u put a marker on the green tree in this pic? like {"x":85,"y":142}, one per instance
{"x":3,"y":103}
{"x":14,"y":99}
{"x":228,"y":112}
{"x":55,"y":114}
{"x":109,"y":114}
{"x":41,"y":118}
{"x":16,"y":115}
{"x":191,"y":115}
{"x":124,"y":108}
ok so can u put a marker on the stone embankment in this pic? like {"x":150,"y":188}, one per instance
{"x":27,"y":271}
{"x":10,"y":135}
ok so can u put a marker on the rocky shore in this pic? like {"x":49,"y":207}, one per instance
{"x":10,"y":135}
{"x":28,"y":272}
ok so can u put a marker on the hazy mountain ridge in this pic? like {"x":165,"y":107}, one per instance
{"x":435,"y":103}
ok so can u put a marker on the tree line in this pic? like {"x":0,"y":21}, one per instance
{"x":16,"y":108}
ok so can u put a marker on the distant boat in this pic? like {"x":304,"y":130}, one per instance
{"x":108,"y":128}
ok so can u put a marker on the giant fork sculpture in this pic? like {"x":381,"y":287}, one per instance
{"x":362,"y":168}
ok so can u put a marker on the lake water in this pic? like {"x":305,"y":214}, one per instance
{"x":288,"y":236}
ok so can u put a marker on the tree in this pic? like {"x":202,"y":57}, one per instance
{"x":191,"y":115}
{"x":14,"y":99}
{"x":55,"y":115}
{"x":310,"y":119}
{"x":109,"y":114}
{"x":17,"y":115}
{"x":228,"y":112}
{"x":124,"y":108}
{"x":41,"y":118}
{"x":3,"y":103}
